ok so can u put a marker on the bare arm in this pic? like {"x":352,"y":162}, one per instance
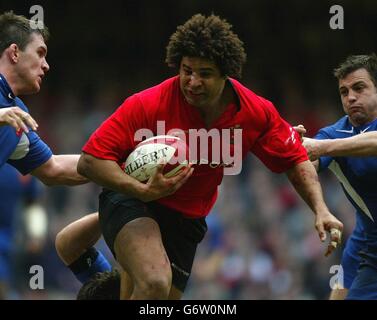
{"x":361,"y":145}
{"x":60,"y":170}
{"x":107,"y":173}
{"x":315,"y":163}
{"x":305,"y":180}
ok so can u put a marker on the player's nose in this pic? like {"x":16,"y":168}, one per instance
{"x":195,"y":80}
{"x":45,"y":66}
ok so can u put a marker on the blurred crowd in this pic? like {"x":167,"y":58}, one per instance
{"x":261,"y":242}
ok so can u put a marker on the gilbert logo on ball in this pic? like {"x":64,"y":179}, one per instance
{"x":142,"y":162}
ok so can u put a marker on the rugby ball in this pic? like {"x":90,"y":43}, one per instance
{"x":148,"y":154}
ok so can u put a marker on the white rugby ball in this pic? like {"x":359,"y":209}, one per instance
{"x":148,"y":154}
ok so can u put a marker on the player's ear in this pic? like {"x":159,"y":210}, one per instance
{"x":13,"y":53}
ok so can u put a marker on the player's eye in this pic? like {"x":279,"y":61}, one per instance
{"x":205,"y":74}
{"x":41,"y":53}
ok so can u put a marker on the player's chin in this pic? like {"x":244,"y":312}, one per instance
{"x":35,"y":88}
{"x":358,"y":117}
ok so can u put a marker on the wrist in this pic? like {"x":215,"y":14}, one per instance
{"x":138,"y":189}
{"x":321,"y":210}
{"x":323,"y":147}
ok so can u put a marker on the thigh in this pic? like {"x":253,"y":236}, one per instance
{"x":364,"y":286}
{"x":139,"y":249}
{"x":351,"y":260}
{"x":181,"y":237}
{"x":115,"y":211}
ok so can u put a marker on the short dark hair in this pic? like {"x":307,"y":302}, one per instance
{"x":355,"y":62}
{"x":210,"y":38}
{"x":17,"y":29}
{"x":103,"y":286}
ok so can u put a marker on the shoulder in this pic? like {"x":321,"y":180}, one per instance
{"x":249,"y":99}
{"x":337,"y":129}
{"x":150,"y":99}
{"x":162,"y":91}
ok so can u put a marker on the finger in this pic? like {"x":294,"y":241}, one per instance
{"x":331,"y":247}
{"x":336,"y":235}
{"x":22,"y":125}
{"x":183,"y":180}
{"x":181,"y":174}
{"x":31,"y":122}
{"x":321,"y":231}
{"x":160,"y":167}
{"x":178,"y":180}
{"x":300,"y":129}
{"x":24,"y":119}
{"x":14,"y":123}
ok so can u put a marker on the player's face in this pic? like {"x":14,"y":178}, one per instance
{"x":201,"y":82}
{"x":359,"y":97}
{"x":32,"y":65}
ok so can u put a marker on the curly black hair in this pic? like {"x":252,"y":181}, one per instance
{"x":210,"y":38}
{"x":103,"y":286}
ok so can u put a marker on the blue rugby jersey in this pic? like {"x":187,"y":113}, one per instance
{"x":358,"y":177}
{"x":25,"y":151}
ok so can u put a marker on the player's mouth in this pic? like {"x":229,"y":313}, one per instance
{"x":356,"y":108}
{"x":194,"y":95}
{"x":40,"y":77}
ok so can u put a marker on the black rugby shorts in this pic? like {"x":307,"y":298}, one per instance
{"x":180,"y":235}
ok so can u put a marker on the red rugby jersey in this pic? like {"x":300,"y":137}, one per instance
{"x":264,"y":133}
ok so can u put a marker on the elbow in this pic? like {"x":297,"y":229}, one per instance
{"x":83,"y":165}
{"x":48,"y":182}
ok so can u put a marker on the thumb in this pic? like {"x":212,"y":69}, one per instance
{"x":160,"y":167}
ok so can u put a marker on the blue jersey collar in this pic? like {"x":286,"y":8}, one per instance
{"x":5,"y":89}
{"x":364,"y":127}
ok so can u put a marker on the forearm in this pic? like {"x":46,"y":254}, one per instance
{"x":108,"y":174}
{"x":60,"y":170}
{"x":67,"y":172}
{"x":304,"y":178}
{"x":364,"y":144}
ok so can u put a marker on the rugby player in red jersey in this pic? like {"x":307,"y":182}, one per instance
{"x":153,"y":229}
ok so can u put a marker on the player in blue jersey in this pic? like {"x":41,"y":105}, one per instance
{"x":16,"y":192}
{"x":349,"y":149}
{"x":23,"y":65}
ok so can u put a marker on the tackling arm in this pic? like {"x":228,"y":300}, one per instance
{"x":305,"y":180}
{"x":364,"y":144}
{"x":60,"y":170}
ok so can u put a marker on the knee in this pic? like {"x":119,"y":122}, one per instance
{"x":155,"y":286}
{"x":61,"y":241}
{"x":64,"y":246}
